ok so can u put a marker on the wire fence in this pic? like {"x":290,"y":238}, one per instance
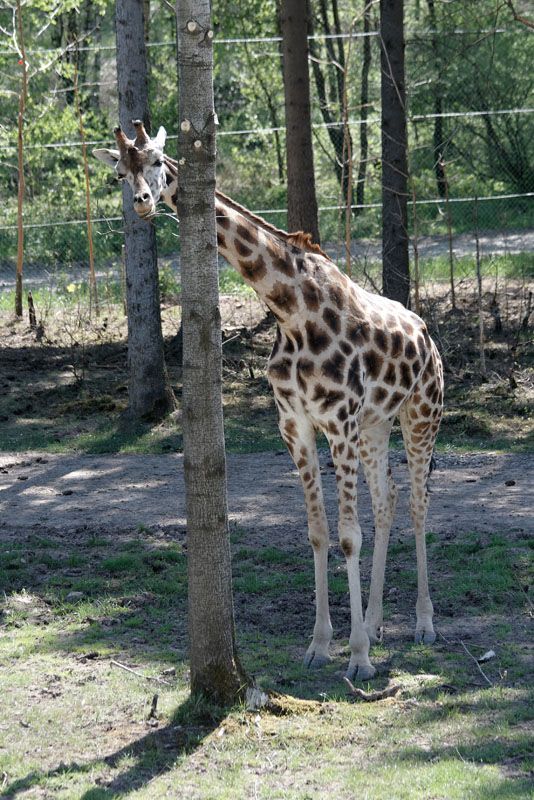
{"x":471,"y":139}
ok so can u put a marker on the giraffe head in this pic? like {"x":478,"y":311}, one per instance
{"x":139,"y":161}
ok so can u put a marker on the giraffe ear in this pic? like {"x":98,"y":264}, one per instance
{"x":109,"y":157}
{"x":159,"y":141}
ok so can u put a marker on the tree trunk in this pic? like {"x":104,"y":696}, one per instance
{"x":333,"y":83}
{"x":20,"y":160}
{"x":301,"y":198}
{"x":395,"y":259}
{"x":215,"y":668}
{"x":149,"y":392}
{"x":438,"y":104}
{"x":364,"y":100}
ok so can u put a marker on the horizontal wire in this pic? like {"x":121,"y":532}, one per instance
{"x":281,"y":128}
{"x":271,"y":39}
{"x":284,"y":210}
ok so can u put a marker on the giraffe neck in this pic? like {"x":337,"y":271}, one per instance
{"x":269,"y":259}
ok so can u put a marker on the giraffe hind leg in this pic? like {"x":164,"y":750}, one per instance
{"x":419,"y":433}
{"x":374,"y":454}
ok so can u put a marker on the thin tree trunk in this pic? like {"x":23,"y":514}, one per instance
{"x":438,"y":102}
{"x":335,"y":131}
{"x":481,"y":334}
{"x":302,"y":211}
{"x":395,"y":257}
{"x":364,"y":100}
{"x":93,"y":292}
{"x":20,"y":153}
{"x":449,"y":232}
{"x":215,"y":668}
{"x":149,"y":392}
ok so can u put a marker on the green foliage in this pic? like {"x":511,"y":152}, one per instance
{"x":486,"y":155}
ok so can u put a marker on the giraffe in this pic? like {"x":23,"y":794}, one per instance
{"x":345,"y":362}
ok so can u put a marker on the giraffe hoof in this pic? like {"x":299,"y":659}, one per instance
{"x":424,"y":637}
{"x":315,"y":660}
{"x":363,"y":672}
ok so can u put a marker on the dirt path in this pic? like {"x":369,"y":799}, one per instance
{"x":472,"y":492}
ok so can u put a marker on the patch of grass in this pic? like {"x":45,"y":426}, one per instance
{"x":74,"y":725}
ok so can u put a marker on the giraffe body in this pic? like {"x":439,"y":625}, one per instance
{"x":347,"y":363}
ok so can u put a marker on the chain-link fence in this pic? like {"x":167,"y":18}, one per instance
{"x":471,"y":140}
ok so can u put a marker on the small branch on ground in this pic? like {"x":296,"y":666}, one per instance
{"x":139,"y":674}
{"x":370,"y":697}
{"x":471,"y":656}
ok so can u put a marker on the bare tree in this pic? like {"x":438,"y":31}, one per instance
{"x":329,"y":76}
{"x":438,"y":102}
{"x":23,"y":94}
{"x":301,"y":198}
{"x":215,"y":668}
{"x":395,"y":259}
{"x":364,"y":102}
{"x":149,"y":393}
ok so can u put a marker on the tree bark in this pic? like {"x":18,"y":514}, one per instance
{"x":331,"y":107}
{"x":149,"y":393}
{"x":215,"y":668}
{"x":395,"y":259}
{"x":20,"y":160}
{"x":438,"y":104}
{"x":302,"y":211}
{"x":364,"y":100}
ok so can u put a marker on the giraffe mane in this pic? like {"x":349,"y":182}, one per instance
{"x":304,"y":241}
{"x":298,"y":239}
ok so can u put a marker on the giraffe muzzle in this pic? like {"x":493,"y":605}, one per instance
{"x":144,"y":205}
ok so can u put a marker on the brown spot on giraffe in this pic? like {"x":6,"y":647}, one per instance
{"x":283,"y":296}
{"x":354,"y":377}
{"x":334,"y":367}
{"x":283,"y":262}
{"x":248,"y":234}
{"x":405,"y":375}
{"x":331,"y":318}
{"x":390,"y":375}
{"x":336,"y":295}
{"x":312,"y":294}
{"x":242,"y":249}
{"x":381,"y":340}
{"x":379,"y":396}
{"x":318,"y":339}
{"x":327,"y":399}
{"x":373,"y":363}
{"x":253,"y":270}
{"x":346,"y":546}
{"x":396,"y":344}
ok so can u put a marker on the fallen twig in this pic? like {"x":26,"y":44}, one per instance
{"x":139,"y":674}
{"x":478,"y":665}
{"x":369,"y":697}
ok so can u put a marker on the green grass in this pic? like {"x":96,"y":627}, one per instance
{"x":76,"y":726}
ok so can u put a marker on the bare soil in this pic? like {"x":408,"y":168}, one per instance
{"x":493,"y":492}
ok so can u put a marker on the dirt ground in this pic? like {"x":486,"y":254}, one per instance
{"x":61,"y":493}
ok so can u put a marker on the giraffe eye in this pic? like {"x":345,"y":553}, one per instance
{"x":157,"y":163}
{"x":121,"y":175}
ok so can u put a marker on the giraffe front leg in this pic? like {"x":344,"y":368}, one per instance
{"x":299,"y":436}
{"x":345,"y":458}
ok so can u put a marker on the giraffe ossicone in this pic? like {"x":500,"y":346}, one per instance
{"x":345,"y":362}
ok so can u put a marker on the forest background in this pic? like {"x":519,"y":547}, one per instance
{"x":470,"y":120}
